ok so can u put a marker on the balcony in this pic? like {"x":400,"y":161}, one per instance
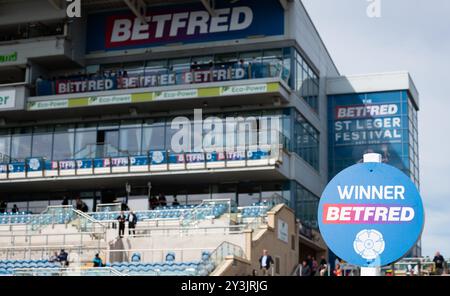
{"x":36,"y":40}
{"x":259,"y":81}
{"x":155,"y":163}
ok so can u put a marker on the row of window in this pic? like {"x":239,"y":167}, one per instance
{"x":306,"y":140}
{"x":137,"y":137}
{"x":306,"y":81}
{"x":306,"y":206}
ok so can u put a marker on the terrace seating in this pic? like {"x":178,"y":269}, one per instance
{"x":169,"y":267}
{"x":255,"y":210}
{"x":15,"y":218}
{"x":7,"y":267}
{"x":170,"y":212}
{"x":163,"y":268}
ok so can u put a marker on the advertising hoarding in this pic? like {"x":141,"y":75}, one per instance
{"x":184,"y":24}
{"x":371,"y":214}
{"x":368,"y":123}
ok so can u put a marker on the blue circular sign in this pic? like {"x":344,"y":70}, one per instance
{"x":371,"y":214}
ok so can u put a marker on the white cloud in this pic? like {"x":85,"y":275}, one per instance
{"x":412,"y":36}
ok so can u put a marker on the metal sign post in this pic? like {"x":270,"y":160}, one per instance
{"x":371,"y":271}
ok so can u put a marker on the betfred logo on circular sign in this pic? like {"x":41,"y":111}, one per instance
{"x":371,"y":214}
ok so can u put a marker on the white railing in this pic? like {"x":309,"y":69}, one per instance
{"x":80,"y":271}
{"x":154,"y":255}
{"x":44,"y":252}
{"x":187,"y":231}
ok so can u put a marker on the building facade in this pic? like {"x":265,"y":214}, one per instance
{"x":88,"y":105}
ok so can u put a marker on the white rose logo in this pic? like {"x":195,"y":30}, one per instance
{"x":157,"y":157}
{"x":34,"y":164}
{"x":369,"y":244}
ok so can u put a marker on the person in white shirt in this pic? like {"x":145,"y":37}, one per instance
{"x":132,"y":220}
{"x":265,"y":261}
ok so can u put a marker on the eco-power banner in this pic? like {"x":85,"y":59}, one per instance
{"x":191,"y":23}
{"x":371,"y":214}
{"x":7,"y":98}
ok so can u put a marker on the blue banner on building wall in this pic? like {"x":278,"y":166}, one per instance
{"x":368,"y":122}
{"x":120,"y":30}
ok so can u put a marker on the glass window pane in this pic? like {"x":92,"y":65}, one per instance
{"x":42,"y":145}
{"x":85,"y":144}
{"x":63,"y":146}
{"x":21,"y":147}
{"x":153,"y":137}
{"x":130,"y":141}
{"x":111,"y":145}
{"x":5,"y":145}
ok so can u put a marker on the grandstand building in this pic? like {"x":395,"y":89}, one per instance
{"x":92,"y":108}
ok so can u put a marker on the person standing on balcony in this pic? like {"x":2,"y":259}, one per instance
{"x":65,"y":201}
{"x":78,"y":204}
{"x":132,"y":221}
{"x":3,"y":206}
{"x":121,"y":218}
{"x":175,"y":202}
{"x":265,"y":261}
{"x":15,"y":209}
{"x":162,"y":200}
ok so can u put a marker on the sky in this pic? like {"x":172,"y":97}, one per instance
{"x":412,"y":35}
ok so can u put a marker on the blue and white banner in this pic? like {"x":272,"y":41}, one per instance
{"x":158,"y":157}
{"x":3,"y":168}
{"x":139,"y":161}
{"x":67,"y":165}
{"x":85,"y":164}
{"x":35,"y":164}
{"x":18,"y":167}
{"x":119,"y":161}
{"x":102,"y":163}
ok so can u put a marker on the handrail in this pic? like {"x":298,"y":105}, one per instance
{"x":218,"y":255}
{"x":47,"y":234}
{"x":86,"y":216}
{"x":183,"y":231}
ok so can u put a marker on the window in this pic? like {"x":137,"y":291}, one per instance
{"x":277,"y":265}
{"x":42,"y":145}
{"x":130,"y":136}
{"x":153,"y":136}
{"x":63,"y":145}
{"x":5,"y":146}
{"x":21,"y":144}
{"x":306,"y":206}
{"x":306,"y":82}
{"x":306,"y":141}
{"x":85,"y":141}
